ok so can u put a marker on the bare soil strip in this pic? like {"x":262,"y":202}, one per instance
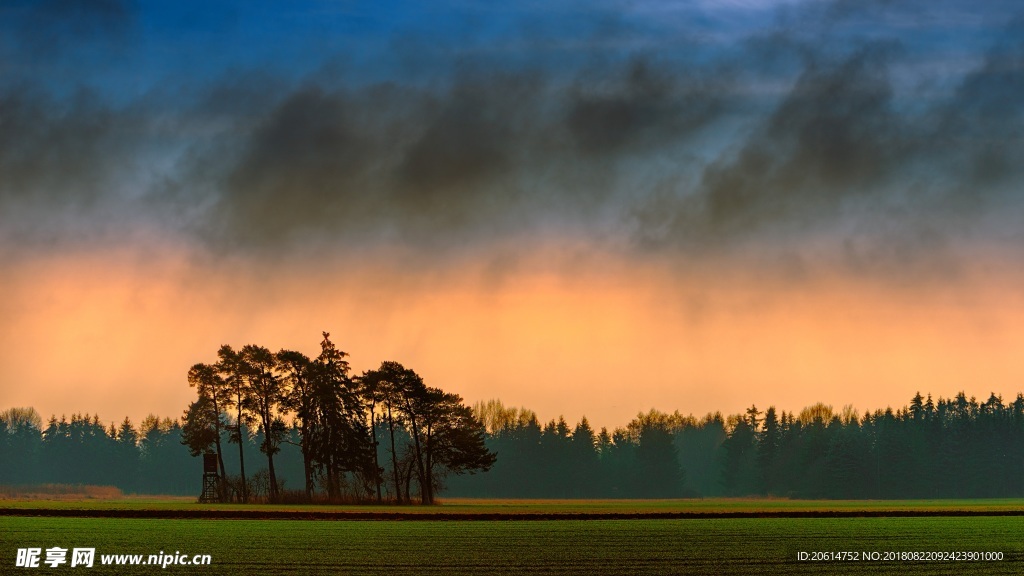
{"x":469,"y":516}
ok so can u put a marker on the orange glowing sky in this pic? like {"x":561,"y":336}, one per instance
{"x":115,"y":335}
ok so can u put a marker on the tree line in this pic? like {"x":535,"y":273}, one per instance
{"x":946,"y":448}
{"x":949,"y":448}
{"x":145,"y":459}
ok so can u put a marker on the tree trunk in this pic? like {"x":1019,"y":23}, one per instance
{"x":332,"y":480}
{"x":428,"y":475}
{"x":376,"y":463}
{"x":220,"y":454}
{"x":241,"y":452}
{"x":307,"y":464}
{"x":267,"y":424}
{"x":408,"y":483}
{"x":394,"y":456}
{"x":273,"y":478}
{"x":419,"y":457}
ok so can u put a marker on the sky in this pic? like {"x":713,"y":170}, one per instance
{"x":583,"y":208}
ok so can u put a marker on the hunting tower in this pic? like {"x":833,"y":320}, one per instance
{"x":211,"y":481}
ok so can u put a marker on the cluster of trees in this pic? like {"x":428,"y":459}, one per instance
{"x":361,"y":437}
{"x":399,"y":437}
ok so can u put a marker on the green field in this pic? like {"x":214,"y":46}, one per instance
{"x":483,"y":506}
{"x":767,"y":545}
{"x":591,"y":547}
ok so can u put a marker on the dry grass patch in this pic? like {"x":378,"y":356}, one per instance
{"x":69,"y":492}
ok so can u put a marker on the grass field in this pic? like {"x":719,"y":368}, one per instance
{"x":592,"y":547}
{"x":767,"y":545}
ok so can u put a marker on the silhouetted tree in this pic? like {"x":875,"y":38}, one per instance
{"x":390,"y":382}
{"x":452,"y":438}
{"x":373,"y":391}
{"x":211,"y":386}
{"x":583,"y":461}
{"x":20,"y":442}
{"x":659,"y":474}
{"x":164,"y":464}
{"x":297,"y":369}
{"x":340,"y":440}
{"x":266,"y":403}
{"x":768,"y":445}
{"x":232,"y":367}
{"x":128,"y":455}
{"x":554,"y":454}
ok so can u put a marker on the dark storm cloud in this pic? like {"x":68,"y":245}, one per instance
{"x":62,"y":165}
{"x":63,"y":146}
{"x":347,"y":164}
{"x":987,"y":114}
{"x":488,"y":152}
{"x":819,"y":130}
{"x":890,"y":181}
{"x":835,"y":136}
{"x":642,"y":103}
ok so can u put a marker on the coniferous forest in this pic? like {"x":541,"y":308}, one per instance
{"x":286,"y":427}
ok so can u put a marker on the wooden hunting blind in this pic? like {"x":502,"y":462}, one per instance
{"x":211,"y":481}
{"x":209,"y":463}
